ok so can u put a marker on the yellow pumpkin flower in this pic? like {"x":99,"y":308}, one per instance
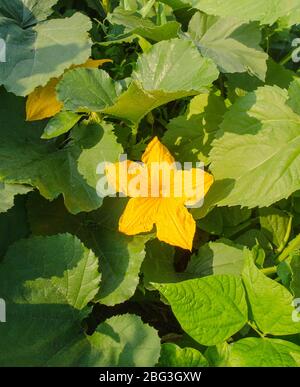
{"x":42,"y":102}
{"x":174,"y":224}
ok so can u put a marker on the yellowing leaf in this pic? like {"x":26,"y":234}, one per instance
{"x":42,"y":102}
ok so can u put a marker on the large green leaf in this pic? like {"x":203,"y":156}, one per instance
{"x":220,"y":257}
{"x":8,"y":193}
{"x":87,"y":90}
{"x":54,"y":170}
{"x":42,"y":52}
{"x":209,"y":309}
{"x":158,"y":79}
{"x":231,"y":44}
{"x":174,"y":356}
{"x":121,"y":341}
{"x":274,"y":224}
{"x":295,"y":283}
{"x":13,"y":225}
{"x":257,"y":352}
{"x":270,"y":302}
{"x":225,"y":221}
{"x":120,"y":256}
{"x":189,"y":136}
{"x":46,"y":283}
{"x":267,"y":11}
{"x":158,"y":265}
{"x":134,"y":23}
{"x":255,"y":160}
{"x":26,"y":12}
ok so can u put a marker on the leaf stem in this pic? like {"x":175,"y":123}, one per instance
{"x":292,"y":246}
{"x":286,"y":59}
{"x":253,"y":326}
{"x":286,"y":237}
{"x":269,"y":270}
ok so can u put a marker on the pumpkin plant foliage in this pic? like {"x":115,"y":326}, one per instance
{"x":94,"y":270}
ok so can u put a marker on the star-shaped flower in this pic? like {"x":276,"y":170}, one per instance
{"x":167,"y":211}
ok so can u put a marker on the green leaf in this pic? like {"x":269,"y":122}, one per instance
{"x":295,"y":283}
{"x":158,"y":265}
{"x":13,"y":225}
{"x":254,"y":237}
{"x":189,"y":136}
{"x":120,"y":256}
{"x":54,"y":170}
{"x":61,"y":265}
{"x":135,"y":24}
{"x":26,"y":12}
{"x":225,"y":221}
{"x":104,"y":148}
{"x":60,"y":124}
{"x":175,"y":4}
{"x":121,"y":341}
{"x":239,"y":83}
{"x":284,"y":273}
{"x":265,"y":11}
{"x":255,"y":159}
{"x":8,"y":193}
{"x":46,"y":283}
{"x":265,"y":294}
{"x":220,"y":257}
{"x":230,"y":43}
{"x":174,"y":356}
{"x":158,"y":79}
{"x":42,"y":52}
{"x":289,"y":20}
{"x":87,"y":90}
{"x":294,"y":91}
{"x":260,"y":352}
{"x":274,"y":224}
{"x":209,"y":309}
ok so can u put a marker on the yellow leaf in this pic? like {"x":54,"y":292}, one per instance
{"x":42,"y":102}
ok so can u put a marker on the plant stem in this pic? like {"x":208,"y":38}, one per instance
{"x":292,"y":246}
{"x":269,"y":270}
{"x":286,"y":237}
{"x":255,"y":329}
{"x":286,"y":59}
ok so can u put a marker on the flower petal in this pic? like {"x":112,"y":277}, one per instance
{"x":196,"y":184}
{"x":174,"y":224}
{"x":121,"y":176}
{"x":139,"y":215}
{"x":157,"y":152}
